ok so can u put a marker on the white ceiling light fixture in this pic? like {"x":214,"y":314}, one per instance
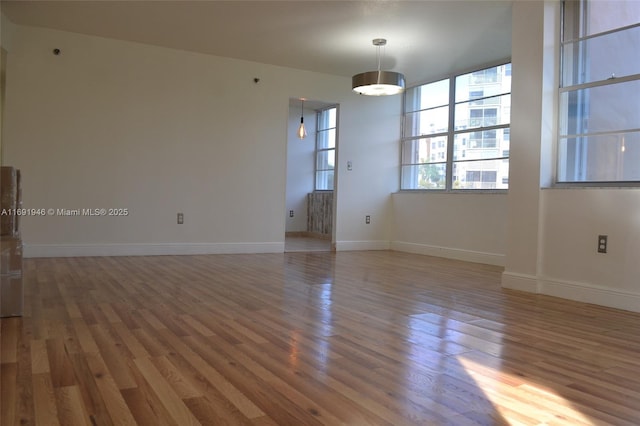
{"x":378,"y":83}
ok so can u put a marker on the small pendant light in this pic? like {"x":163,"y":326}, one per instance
{"x":302,"y":132}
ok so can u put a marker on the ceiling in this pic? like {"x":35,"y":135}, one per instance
{"x":426,"y":39}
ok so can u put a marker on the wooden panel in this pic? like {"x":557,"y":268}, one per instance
{"x":371,"y":338}
{"x":320,"y":212}
{"x":8,"y":200}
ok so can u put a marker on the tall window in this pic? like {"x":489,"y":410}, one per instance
{"x":456,"y":132}
{"x":325,"y":149}
{"x":599,"y":114}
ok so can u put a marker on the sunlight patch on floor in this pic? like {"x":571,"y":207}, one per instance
{"x":528,"y":402}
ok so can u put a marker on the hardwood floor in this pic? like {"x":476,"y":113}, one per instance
{"x":357,"y":338}
{"x":306,"y":244}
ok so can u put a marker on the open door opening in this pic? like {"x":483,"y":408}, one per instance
{"x":311,"y":181}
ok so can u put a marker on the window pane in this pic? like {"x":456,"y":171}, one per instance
{"x":493,"y":111}
{"x":489,"y":82}
{"x":427,"y":96}
{"x":481,"y":145}
{"x":424,"y":176}
{"x":604,"y":16}
{"x":425,"y":150}
{"x":325,"y":148}
{"x":324,"y":180}
{"x":598,"y":138}
{"x":493,"y":174}
{"x":607,"y":108}
{"x":426,"y":122}
{"x":327,"y":119}
{"x":600,"y":16}
{"x":327,"y":139}
{"x":325,"y":160}
{"x":616,"y":54}
{"x":480,"y":136}
{"x":601,"y":158}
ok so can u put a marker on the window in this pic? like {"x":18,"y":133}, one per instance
{"x":489,"y":75}
{"x":464,"y":120}
{"x":599,"y":114}
{"x":325,"y":148}
{"x":483,"y":140}
{"x":476,"y":94}
{"x":483,"y":176}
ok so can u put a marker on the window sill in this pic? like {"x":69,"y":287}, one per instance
{"x":453,"y":191}
{"x":594,"y":185}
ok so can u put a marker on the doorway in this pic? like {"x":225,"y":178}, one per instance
{"x":311,"y":181}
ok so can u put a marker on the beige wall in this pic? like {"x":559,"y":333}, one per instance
{"x":461,"y":226}
{"x":552,"y":233}
{"x":570,"y":264}
{"x":7,"y":30}
{"x":375,"y":163}
{"x":545,"y":238}
{"x":3,"y":69}
{"x":113,"y":124}
{"x":157,"y":131}
{"x":300,"y":168}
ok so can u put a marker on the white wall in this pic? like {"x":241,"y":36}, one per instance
{"x":552,"y":233}
{"x":116,"y":124}
{"x":571,"y":266}
{"x":546,"y":238}
{"x":300,"y":168}
{"x":461,"y":226}
{"x":375,"y":171}
{"x":526,"y":135}
{"x":6,"y":36}
{"x":113,"y":124}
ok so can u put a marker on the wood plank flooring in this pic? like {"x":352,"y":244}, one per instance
{"x":355,"y":338}
{"x":306,"y":244}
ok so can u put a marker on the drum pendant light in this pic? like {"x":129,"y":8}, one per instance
{"x":378,"y":83}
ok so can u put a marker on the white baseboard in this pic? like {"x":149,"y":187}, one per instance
{"x":84,"y":250}
{"x":590,"y":293}
{"x":361,"y":245}
{"x":577,"y":291}
{"x":449,"y":253}
{"x":521,"y":282}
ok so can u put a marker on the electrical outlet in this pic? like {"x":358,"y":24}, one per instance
{"x":602,"y":243}
{"x":290,"y":213}
{"x":367,"y":219}
{"x":180,"y":218}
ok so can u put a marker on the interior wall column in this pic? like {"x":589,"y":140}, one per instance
{"x":534,"y":65}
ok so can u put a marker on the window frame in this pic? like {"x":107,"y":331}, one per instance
{"x":320,"y":151}
{"x":579,"y":17}
{"x":451,"y":131}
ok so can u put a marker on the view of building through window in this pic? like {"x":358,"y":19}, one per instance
{"x":460,"y":141}
{"x":599,"y":114}
{"x":325,"y":148}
